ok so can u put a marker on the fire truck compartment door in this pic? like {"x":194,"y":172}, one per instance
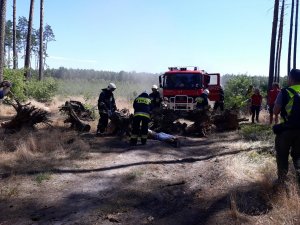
{"x":214,"y":86}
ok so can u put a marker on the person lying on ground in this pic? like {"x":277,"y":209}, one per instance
{"x":161,"y":136}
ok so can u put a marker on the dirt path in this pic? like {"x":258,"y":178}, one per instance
{"x":152,"y":184}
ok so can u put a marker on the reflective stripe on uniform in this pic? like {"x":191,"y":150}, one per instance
{"x":133,"y":136}
{"x":199,"y":99}
{"x":144,"y":136}
{"x":142,"y":100}
{"x":142,"y":114}
{"x":289,"y":105}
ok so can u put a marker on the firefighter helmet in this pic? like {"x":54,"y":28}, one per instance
{"x":154,"y":86}
{"x":111,"y":87}
{"x":206,"y":91}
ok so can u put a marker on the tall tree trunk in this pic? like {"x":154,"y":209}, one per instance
{"x":2,"y":35}
{"x":279,"y":43}
{"x":279,"y":56}
{"x":8,"y":56}
{"x":15,"y":53}
{"x":273,"y":44}
{"x":41,"y":40}
{"x":290,"y":38}
{"x":296,"y":34}
{"x":28,"y":44}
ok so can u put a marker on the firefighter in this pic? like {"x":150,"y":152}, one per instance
{"x":155,"y":97}
{"x":202,"y":100}
{"x":106,"y":107}
{"x":5,"y":85}
{"x":220,"y":101}
{"x":288,"y":132}
{"x":141,"y":118}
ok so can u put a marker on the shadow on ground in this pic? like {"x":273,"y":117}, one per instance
{"x":126,"y":201}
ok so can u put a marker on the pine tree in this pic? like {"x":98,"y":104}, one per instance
{"x":28,"y":44}
{"x":2,"y":35}
{"x":41,"y":51}
{"x":273,"y":44}
{"x":15,"y":53}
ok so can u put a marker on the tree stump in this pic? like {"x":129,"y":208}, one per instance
{"x":27,"y":116}
{"x":77,"y":112}
{"x":120,"y":122}
{"x":228,"y":120}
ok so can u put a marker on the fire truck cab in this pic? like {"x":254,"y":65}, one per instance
{"x":180,"y":86}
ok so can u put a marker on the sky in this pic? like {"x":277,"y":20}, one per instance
{"x":229,"y":37}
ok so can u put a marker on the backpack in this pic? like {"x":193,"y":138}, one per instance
{"x":294,"y":118}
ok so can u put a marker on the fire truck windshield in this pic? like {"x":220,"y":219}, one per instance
{"x":182,"y":81}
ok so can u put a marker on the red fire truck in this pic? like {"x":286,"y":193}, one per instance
{"x":182,"y":85}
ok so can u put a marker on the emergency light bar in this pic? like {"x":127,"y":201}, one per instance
{"x":184,"y":68}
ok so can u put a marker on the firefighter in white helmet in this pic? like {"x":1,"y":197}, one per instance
{"x":106,"y":107}
{"x":202,"y":100}
{"x":155,"y":97}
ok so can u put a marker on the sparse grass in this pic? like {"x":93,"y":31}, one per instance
{"x":133,"y":175}
{"x":258,"y":171}
{"x":42,"y":177}
{"x":257,"y":132}
{"x":254,"y":156}
{"x":8,"y":192}
{"x":250,"y":166}
{"x":40,"y":150}
{"x":260,"y":156}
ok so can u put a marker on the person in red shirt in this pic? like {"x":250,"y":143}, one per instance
{"x":272,"y":95}
{"x":256,"y":100}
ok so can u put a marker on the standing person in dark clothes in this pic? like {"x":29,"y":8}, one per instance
{"x":141,"y":118}
{"x":106,"y":106}
{"x":220,"y":102}
{"x":272,"y":95}
{"x":256,"y":100}
{"x":155,"y":97}
{"x":287,"y":138}
{"x":202,"y":100}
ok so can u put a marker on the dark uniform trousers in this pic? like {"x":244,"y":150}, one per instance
{"x":103,"y":122}
{"x":285,"y":142}
{"x":219,"y":104}
{"x":139,"y":128}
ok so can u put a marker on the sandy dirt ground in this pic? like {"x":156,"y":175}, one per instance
{"x":108,"y":182}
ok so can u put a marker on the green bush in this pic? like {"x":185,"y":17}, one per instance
{"x":18,"y":83}
{"x":42,"y":91}
{"x":235,"y":91}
